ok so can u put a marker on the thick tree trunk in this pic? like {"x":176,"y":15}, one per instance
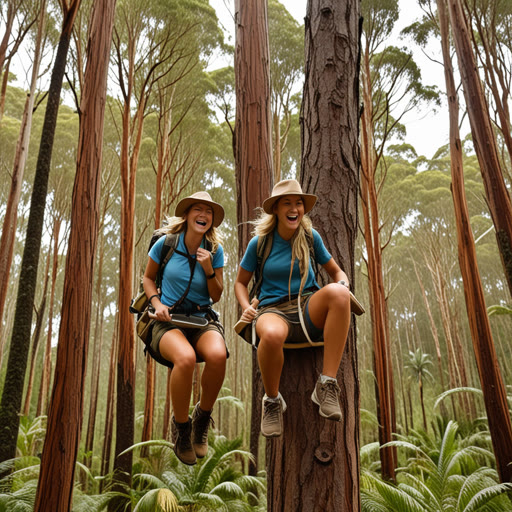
{"x":17,"y":363}
{"x":315,"y":464}
{"x":495,"y":396}
{"x":252,"y":146}
{"x":498,"y":197}
{"x":66,"y":408}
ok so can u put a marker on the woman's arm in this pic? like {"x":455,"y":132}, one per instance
{"x":215,"y":283}
{"x":335,"y":272}
{"x":149,"y":284}
{"x":242,"y":281}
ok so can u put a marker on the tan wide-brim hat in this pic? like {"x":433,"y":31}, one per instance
{"x":288,"y":188}
{"x":201,"y":197}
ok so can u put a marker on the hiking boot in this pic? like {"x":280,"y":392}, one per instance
{"x":272,"y":415}
{"x":180,"y":435}
{"x":326,"y":395}
{"x":201,"y":420}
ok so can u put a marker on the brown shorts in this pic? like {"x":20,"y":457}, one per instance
{"x":192,"y":334}
{"x":289,"y":312}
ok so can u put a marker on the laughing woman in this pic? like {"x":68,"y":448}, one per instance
{"x":192,"y":280}
{"x":287,"y":272}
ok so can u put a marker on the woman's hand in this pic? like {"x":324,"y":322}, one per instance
{"x":161,"y":311}
{"x":204,"y":258}
{"x":250,"y":312}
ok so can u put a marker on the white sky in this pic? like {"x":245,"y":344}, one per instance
{"x":426,"y":131}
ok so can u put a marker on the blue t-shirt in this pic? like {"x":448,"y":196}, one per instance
{"x":177,"y":274}
{"x":276,"y":270}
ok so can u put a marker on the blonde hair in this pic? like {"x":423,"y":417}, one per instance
{"x":179,"y":224}
{"x":265,"y":223}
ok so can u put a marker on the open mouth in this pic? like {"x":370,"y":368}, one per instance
{"x":201,"y":222}
{"x":292,"y":218}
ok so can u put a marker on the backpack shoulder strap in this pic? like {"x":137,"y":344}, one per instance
{"x":263,"y":249}
{"x":170,"y":244}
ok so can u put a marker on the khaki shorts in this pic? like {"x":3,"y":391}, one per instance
{"x":289,"y":311}
{"x":192,"y":334}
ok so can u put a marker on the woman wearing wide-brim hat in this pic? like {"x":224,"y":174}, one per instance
{"x":292,"y":306}
{"x":190,"y":282}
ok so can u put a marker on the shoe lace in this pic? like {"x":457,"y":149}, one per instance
{"x":272,"y":410}
{"x":331,"y":390}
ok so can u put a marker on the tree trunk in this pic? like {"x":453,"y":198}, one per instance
{"x":484,"y":141}
{"x":252,"y":147}
{"x":378,"y":306}
{"x":96,"y":367}
{"x":20,"y":157}
{"x":44,"y":390}
{"x":17,"y":363}
{"x":109,"y":413}
{"x":66,"y":408}
{"x":495,"y":396}
{"x":36,"y":338}
{"x":315,"y":464}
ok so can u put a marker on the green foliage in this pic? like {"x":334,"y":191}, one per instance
{"x":445,"y":474}
{"x":215,"y":483}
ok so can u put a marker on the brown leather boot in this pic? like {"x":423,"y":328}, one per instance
{"x":180,"y":434}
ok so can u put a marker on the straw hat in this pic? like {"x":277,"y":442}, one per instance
{"x":201,"y":197}
{"x":288,"y":188}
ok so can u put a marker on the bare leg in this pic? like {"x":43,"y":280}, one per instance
{"x":272,"y":331}
{"x":176,"y":348}
{"x":212,"y":350}
{"x":329,"y":308}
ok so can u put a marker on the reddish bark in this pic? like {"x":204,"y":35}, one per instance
{"x":484,"y":141}
{"x":66,"y":408}
{"x":495,"y":396}
{"x":252,"y":146}
{"x":326,"y":453}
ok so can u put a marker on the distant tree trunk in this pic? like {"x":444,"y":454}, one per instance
{"x":36,"y":338}
{"x":167,"y":406}
{"x":495,"y":396}
{"x":384,"y":390}
{"x":96,"y":366}
{"x":496,"y":192}
{"x":252,"y":147}
{"x":315,"y":464}
{"x":17,"y":363}
{"x":20,"y":157}
{"x":44,"y":390}
{"x":109,"y":413}
{"x":66,"y":408}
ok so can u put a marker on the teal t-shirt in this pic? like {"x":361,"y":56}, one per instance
{"x":276,"y":270}
{"x":177,"y":274}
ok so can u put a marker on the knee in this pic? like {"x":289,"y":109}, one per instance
{"x":338,"y":296}
{"x":272,"y":338}
{"x":216,"y":358}
{"x":185,"y":362}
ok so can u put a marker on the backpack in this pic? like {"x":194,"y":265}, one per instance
{"x":140,"y":304}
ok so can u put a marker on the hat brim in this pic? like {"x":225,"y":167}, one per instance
{"x":185,"y":204}
{"x":309,"y":201}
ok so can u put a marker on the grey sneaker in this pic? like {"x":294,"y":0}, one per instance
{"x":201,"y":420}
{"x":326,"y":395}
{"x":180,"y":434}
{"x":272,"y":415}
